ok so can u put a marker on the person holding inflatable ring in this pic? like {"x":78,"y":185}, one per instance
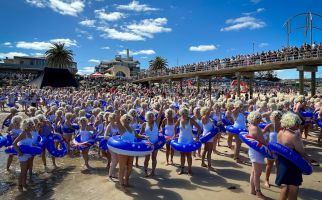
{"x":14,"y":131}
{"x":126,"y":161}
{"x":25,"y":138}
{"x":86,"y":134}
{"x":197,"y":117}
{"x":288,"y":175}
{"x":112,"y":130}
{"x":257,"y":159}
{"x":272,"y":129}
{"x":168,"y":125}
{"x":207,"y":126}
{"x":150,"y":129}
{"x":185,"y":137}
{"x":229,"y":117}
{"x":239,"y":122}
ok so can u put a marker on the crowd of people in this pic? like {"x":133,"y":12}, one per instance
{"x":130,"y":111}
{"x":284,"y":54}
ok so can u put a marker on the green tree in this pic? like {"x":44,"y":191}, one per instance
{"x":59,"y":57}
{"x":157,"y":64}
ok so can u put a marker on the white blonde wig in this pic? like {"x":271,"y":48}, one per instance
{"x":290,"y":120}
{"x":27,"y":124}
{"x":254,"y":116}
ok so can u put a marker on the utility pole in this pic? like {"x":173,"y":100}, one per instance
{"x":253,"y":47}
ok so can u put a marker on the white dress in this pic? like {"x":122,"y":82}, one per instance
{"x":153,"y":134}
{"x":185,"y":134}
{"x":240,"y":121}
{"x":27,"y":142}
{"x":207,"y":128}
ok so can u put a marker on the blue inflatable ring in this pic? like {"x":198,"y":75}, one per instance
{"x":75,"y":126}
{"x":77,"y":144}
{"x":137,"y":148}
{"x":185,"y":147}
{"x":319,"y":122}
{"x":53,"y":150}
{"x":256,"y":145}
{"x":209,"y":135}
{"x":262,"y":125}
{"x":307,"y":114}
{"x":33,"y":150}
{"x":5,"y":141}
{"x":226,"y":121}
{"x":234,"y":130}
{"x":160,"y":143}
{"x":103,"y":145}
{"x":292,"y":156}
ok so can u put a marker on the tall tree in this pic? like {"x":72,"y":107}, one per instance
{"x":59,"y":57}
{"x":158,"y":63}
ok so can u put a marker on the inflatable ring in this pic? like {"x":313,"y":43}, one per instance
{"x":292,"y":156}
{"x":226,"y":121}
{"x":7,"y":122}
{"x":319,"y":122}
{"x":209,"y":135}
{"x":75,"y":126}
{"x":256,"y":145}
{"x":137,"y":148}
{"x":10,"y":105}
{"x":262,"y":125}
{"x":167,"y":137}
{"x":88,"y":115}
{"x":53,"y":150}
{"x":307,"y":114}
{"x":142,"y":118}
{"x":234,"y":130}
{"x":3,"y":141}
{"x":33,"y":150}
{"x":103,"y":145}
{"x":185,"y":147}
{"x":77,"y":144}
{"x":160,"y":143}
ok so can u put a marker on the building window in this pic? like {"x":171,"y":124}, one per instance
{"x":32,"y":62}
{"x":21,"y":62}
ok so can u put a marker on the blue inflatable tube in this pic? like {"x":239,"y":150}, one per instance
{"x":319,"y":122}
{"x":209,"y":135}
{"x":226,"y":121}
{"x":77,"y":144}
{"x":137,"y":148}
{"x":75,"y":126}
{"x":292,"y":156}
{"x":103,"y":145}
{"x":10,"y":105}
{"x":3,"y":141}
{"x":88,"y":115}
{"x":142,"y":118}
{"x":185,"y":147}
{"x":307,"y":114}
{"x":256,"y":145}
{"x":160,"y":143}
{"x":33,"y":150}
{"x":262,"y":125}
{"x":234,"y":130}
{"x":53,"y":150}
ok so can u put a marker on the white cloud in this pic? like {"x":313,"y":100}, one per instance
{"x":64,"y":7}
{"x":94,"y":61}
{"x":106,"y":48}
{"x":45,"y":45}
{"x":38,"y":54}
{"x":112,"y":33}
{"x":86,"y":70}
{"x":136,"y":6}
{"x":263,"y":44}
{"x":8,"y":44}
{"x":12,"y":54}
{"x":37,"y":3}
{"x":258,"y":10}
{"x":140,"y":52}
{"x":88,"y":23}
{"x":67,"y":42}
{"x":90,"y":37}
{"x":209,"y":47}
{"x":148,"y":27}
{"x":113,"y":16}
{"x":246,"y":22}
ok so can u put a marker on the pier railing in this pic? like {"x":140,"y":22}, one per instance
{"x":238,"y":62}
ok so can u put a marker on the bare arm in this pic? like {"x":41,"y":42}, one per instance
{"x":176,"y":125}
{"x":299,"y":147}
{"x":15,"y":143}
{"x":195,"y":124}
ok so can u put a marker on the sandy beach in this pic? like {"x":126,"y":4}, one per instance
{"x":229,"y":181}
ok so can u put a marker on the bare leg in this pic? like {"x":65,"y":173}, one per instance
{"x":85,"y":157}
{"x":292,"y":192}
{"x":154,"y":162}
{"x":114,"y":157}
{"x":284,"y":193}
{"x":9,"y":161}
{"x":251,"y":181}
{"x":182,"y":162}
{"x":189,"y":160}
{"x":269,"y":166}
{"x":256,"y":178}
{"x":128,"y":170}
{"x":123,"y":165}
{"x":237,"y":148}
{"x":146,"y":164}
{"x":210,"y":148}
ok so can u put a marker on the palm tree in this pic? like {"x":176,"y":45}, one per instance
{"x":58,"y":56}
{"x":158,"y":63}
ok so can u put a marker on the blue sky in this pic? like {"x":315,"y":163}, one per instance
{"x":183,"y":32}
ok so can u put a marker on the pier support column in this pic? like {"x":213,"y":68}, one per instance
{"x":313,"y":83}
{"x":251,"y":90}
{"x":313,"y":70}
{"x":181,"y":87}
{"x":198,"y":85}
{"x":149,"y":84}
{"x":238,"y":84}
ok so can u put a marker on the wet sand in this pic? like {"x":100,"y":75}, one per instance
{"x":71,"y":181}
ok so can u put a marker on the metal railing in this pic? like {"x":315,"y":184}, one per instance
{"x":217,"y":65}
